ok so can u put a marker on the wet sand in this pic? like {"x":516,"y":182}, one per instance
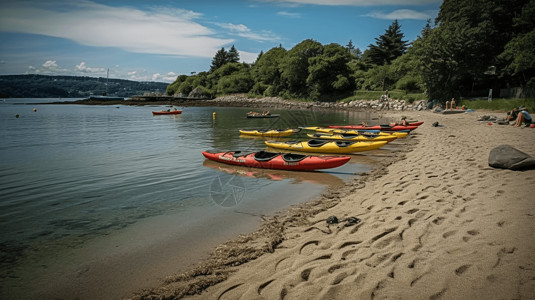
{"x":436,"y":222}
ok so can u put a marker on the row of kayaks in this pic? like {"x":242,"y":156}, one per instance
{"x":326,"y":140}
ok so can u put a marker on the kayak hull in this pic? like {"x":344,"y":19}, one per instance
{"x":376,"y":127}
{"x":398,"y":134}
{"x":277,"y":160}
{"x":262,"y":116}
{"x":353,"y":137}
{"x":320,"y":146}
{"x":164,"y":112}
{"x":270,"y":133}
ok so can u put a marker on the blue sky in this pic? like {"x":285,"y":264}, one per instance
{"x":156,"y":40}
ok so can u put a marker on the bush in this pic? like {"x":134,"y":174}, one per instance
{"x":407,"y":83}
{"x":259,"y":89}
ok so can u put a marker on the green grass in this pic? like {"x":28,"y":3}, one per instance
{"x":499,"y":104}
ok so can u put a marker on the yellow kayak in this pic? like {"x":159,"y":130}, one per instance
{"x":327,"y":146}
{"x":352,"y":137}
{"x":270,"y":133}
{"x":398,"y":134}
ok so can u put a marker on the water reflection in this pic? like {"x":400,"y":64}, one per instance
{"x":276,"y":175}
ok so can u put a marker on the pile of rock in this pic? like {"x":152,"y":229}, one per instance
{"x":391,"y":104}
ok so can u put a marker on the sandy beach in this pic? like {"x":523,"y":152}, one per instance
{"x":436,"y":222}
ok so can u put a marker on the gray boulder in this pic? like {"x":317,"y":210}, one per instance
{"x":508,"y":157}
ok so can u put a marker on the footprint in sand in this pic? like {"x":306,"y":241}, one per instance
{"x":473,"y":232}
{"x":412,"y":211}
{"x":460,"y":270}
{"x":449,"y":233}
{"x":308,"y":247}
{"x":438,"y":220}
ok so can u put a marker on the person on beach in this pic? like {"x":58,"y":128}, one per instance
{"x":452,"y":103}
{"x":385,"y":97}
{"x":523,"y":117}
{"x":512,"y":115}
{"x":402,"y":122}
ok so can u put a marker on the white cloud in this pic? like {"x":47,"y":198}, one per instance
{"x":358,"y":2}
{"x":289,"y":14}
{"x":163,"y":31}
{"x":50,"y":65}
{"x":169,"y":77}
{"x":82,"y":68}
{"x":244,"y":32}
{"x":401,"y":14}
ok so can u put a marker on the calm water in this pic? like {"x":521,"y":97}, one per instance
{"x":74,"y":176}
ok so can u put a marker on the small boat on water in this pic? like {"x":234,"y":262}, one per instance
{"x":167,"y":112}
{"x":270,"y":133}
{"x":266,"y":114}
{"x":324,"y":146}
{"x":277,"y":160}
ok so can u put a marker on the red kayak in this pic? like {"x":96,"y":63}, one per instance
{"x":277,"y":160}
{"x":167,"y":112}
{"x":413,"y":123}
{"x":376,"y":127}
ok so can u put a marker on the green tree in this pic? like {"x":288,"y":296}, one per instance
{"x":173,"y":87}
{"x":259,"y":56}
{"x":233,"y":56}
{"x":295,"y":67}
{"x":518,"y":56}
{"x":350,"y":47}
{"x":388,"y":46}
{"x":267,"y":72}
{"x":220,"y":59}
{"x":467,"y":41}
{"x":329,"y":72}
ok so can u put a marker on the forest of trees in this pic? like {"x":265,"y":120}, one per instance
{"x":472,"y":46}
{"x":44,"y":86}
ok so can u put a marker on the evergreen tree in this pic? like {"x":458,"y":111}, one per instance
{"x":519,"y":53}
{"x":220,"y":58}
{"x":350,"y":47}
{"x":388,"y":46}
{"x":358,"y":53}
{"x":233,"y":55}
{"x":259,"y":56}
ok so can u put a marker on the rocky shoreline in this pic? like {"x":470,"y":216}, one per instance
{"x":241,"y":100}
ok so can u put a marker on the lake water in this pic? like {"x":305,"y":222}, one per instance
{"x":111,"y":198}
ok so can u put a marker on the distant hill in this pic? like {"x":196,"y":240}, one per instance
{"x":43,"y":86}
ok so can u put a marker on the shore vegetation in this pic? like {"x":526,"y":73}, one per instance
{"x":469,"y":50}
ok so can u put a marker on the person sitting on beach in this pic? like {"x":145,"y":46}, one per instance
{"x":512,"y":115}
{"x":523,"y":117}
{"x":402,"y":122}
